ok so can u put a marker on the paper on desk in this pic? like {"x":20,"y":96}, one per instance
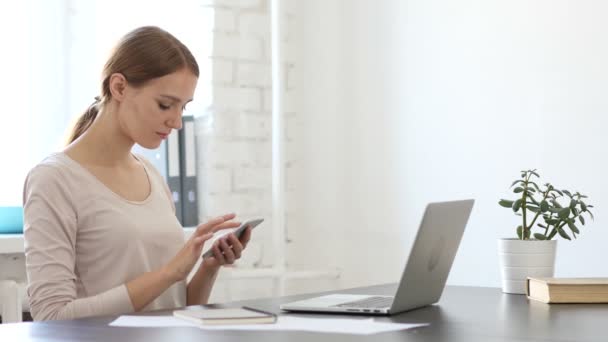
{"x":150,"y":322}
{"x":328,"y":325}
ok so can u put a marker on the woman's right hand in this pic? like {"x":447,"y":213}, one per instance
{"x":180,"y":266}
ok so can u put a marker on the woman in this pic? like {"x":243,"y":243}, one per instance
{"x":101,"y":235}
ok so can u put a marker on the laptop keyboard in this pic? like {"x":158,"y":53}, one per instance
{"x":367,"y":303}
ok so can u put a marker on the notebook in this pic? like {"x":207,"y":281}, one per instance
{"x":241,"y":315}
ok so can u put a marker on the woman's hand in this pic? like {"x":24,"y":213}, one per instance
{"x":227,"y":249}
{"x":180,"y":266}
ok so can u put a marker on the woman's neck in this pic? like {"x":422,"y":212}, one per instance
{"x":103,"y":143}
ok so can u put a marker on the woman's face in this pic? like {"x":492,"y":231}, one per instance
{"x":149,"y":113}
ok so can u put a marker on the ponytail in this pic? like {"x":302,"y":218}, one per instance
{"x":85,"y":121}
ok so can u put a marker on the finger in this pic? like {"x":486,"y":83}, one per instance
{"x":226,"y":225}
{"x":199,"y":241}
{"x":237,"y":247}
{"x":228,"y":254}
{"x":207,"y":227}
{"x":217,"y":254}
{"x":228,"y":217}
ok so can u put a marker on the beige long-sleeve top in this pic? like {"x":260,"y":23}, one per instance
{"x":83,"y":242}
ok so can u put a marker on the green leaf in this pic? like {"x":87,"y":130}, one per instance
{"x":534,"y":173}
{"x":535,"y":185}
{"x":567,"y":193}
{"x":580,"y":218}
{"x":529,"y":189}
{"x":533,"y":209}
{"x":551,"y":221}
{"x":564,"y":213}
{"x":572,"y":203}
{"x":563,"y":234}
{"x":506,"y":203}
{"x":517,"y":181}
{"x":559,"y":192}
{"x":544,"y":206}
{"x":539,"y":236}
{"x":575,"y":212}
{"x":552,"y":234}
{"x":583,"y":206}
{"x":519,"y":232}
{"x":518,"y":189}
{"x":556,"y":203}
{"x":517,"y":205}
{"x":573,"y":227}
{"x":591,"y":214}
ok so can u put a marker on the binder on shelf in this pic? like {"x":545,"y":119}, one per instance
{"x":174,"y":172}
{"x":189,"y":178}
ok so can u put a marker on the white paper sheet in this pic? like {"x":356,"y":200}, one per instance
{"x":366,"y":326}
{"x":150,"y":322}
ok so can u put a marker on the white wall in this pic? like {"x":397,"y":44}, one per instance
{"x":407,"y":102}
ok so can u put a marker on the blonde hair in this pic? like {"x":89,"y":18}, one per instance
{"x":141,"y":55}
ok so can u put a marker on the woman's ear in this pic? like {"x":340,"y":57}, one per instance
{"x":118,"y":84}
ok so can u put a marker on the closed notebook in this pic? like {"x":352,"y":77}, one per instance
{"x":568,"y":290}
{"x":226,"y":316}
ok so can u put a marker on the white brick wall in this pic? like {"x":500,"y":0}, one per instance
{"x":235,"y":150}
{"x":255,"y":24}
{"x":225,"y":20}
{"x":254,"y":74}
{"x":230,"y":46}
{"x":239,"y":98}
{"x":223,"y":72}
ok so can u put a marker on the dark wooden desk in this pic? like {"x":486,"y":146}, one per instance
{"x":464,"y":314}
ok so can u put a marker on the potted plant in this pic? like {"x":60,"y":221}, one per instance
{"x":546,"y":212}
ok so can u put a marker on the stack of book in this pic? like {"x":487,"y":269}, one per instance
{"x":568,"y":290}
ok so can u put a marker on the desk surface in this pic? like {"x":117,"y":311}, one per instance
{"x":463,"y":314}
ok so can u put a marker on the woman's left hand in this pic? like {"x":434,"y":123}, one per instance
{"x":227,"y":249}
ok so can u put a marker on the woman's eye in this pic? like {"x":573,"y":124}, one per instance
{"x":163,"y":106}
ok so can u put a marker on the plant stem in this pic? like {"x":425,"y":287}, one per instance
{"x":523,"y":206}
{"x":538,"y":213}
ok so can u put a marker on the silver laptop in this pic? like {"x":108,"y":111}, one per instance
{"x":424,"y":275}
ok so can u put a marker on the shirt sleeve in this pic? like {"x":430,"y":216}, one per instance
{"x":50,"y":229}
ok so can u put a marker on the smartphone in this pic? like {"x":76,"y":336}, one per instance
{"x":238,"y":232}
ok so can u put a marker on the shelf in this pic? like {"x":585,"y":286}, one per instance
{"x":11,"y":243}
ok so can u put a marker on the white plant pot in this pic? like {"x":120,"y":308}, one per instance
{"x":520,"y":259}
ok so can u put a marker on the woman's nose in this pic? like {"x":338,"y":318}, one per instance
{"x":175,"y":123}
